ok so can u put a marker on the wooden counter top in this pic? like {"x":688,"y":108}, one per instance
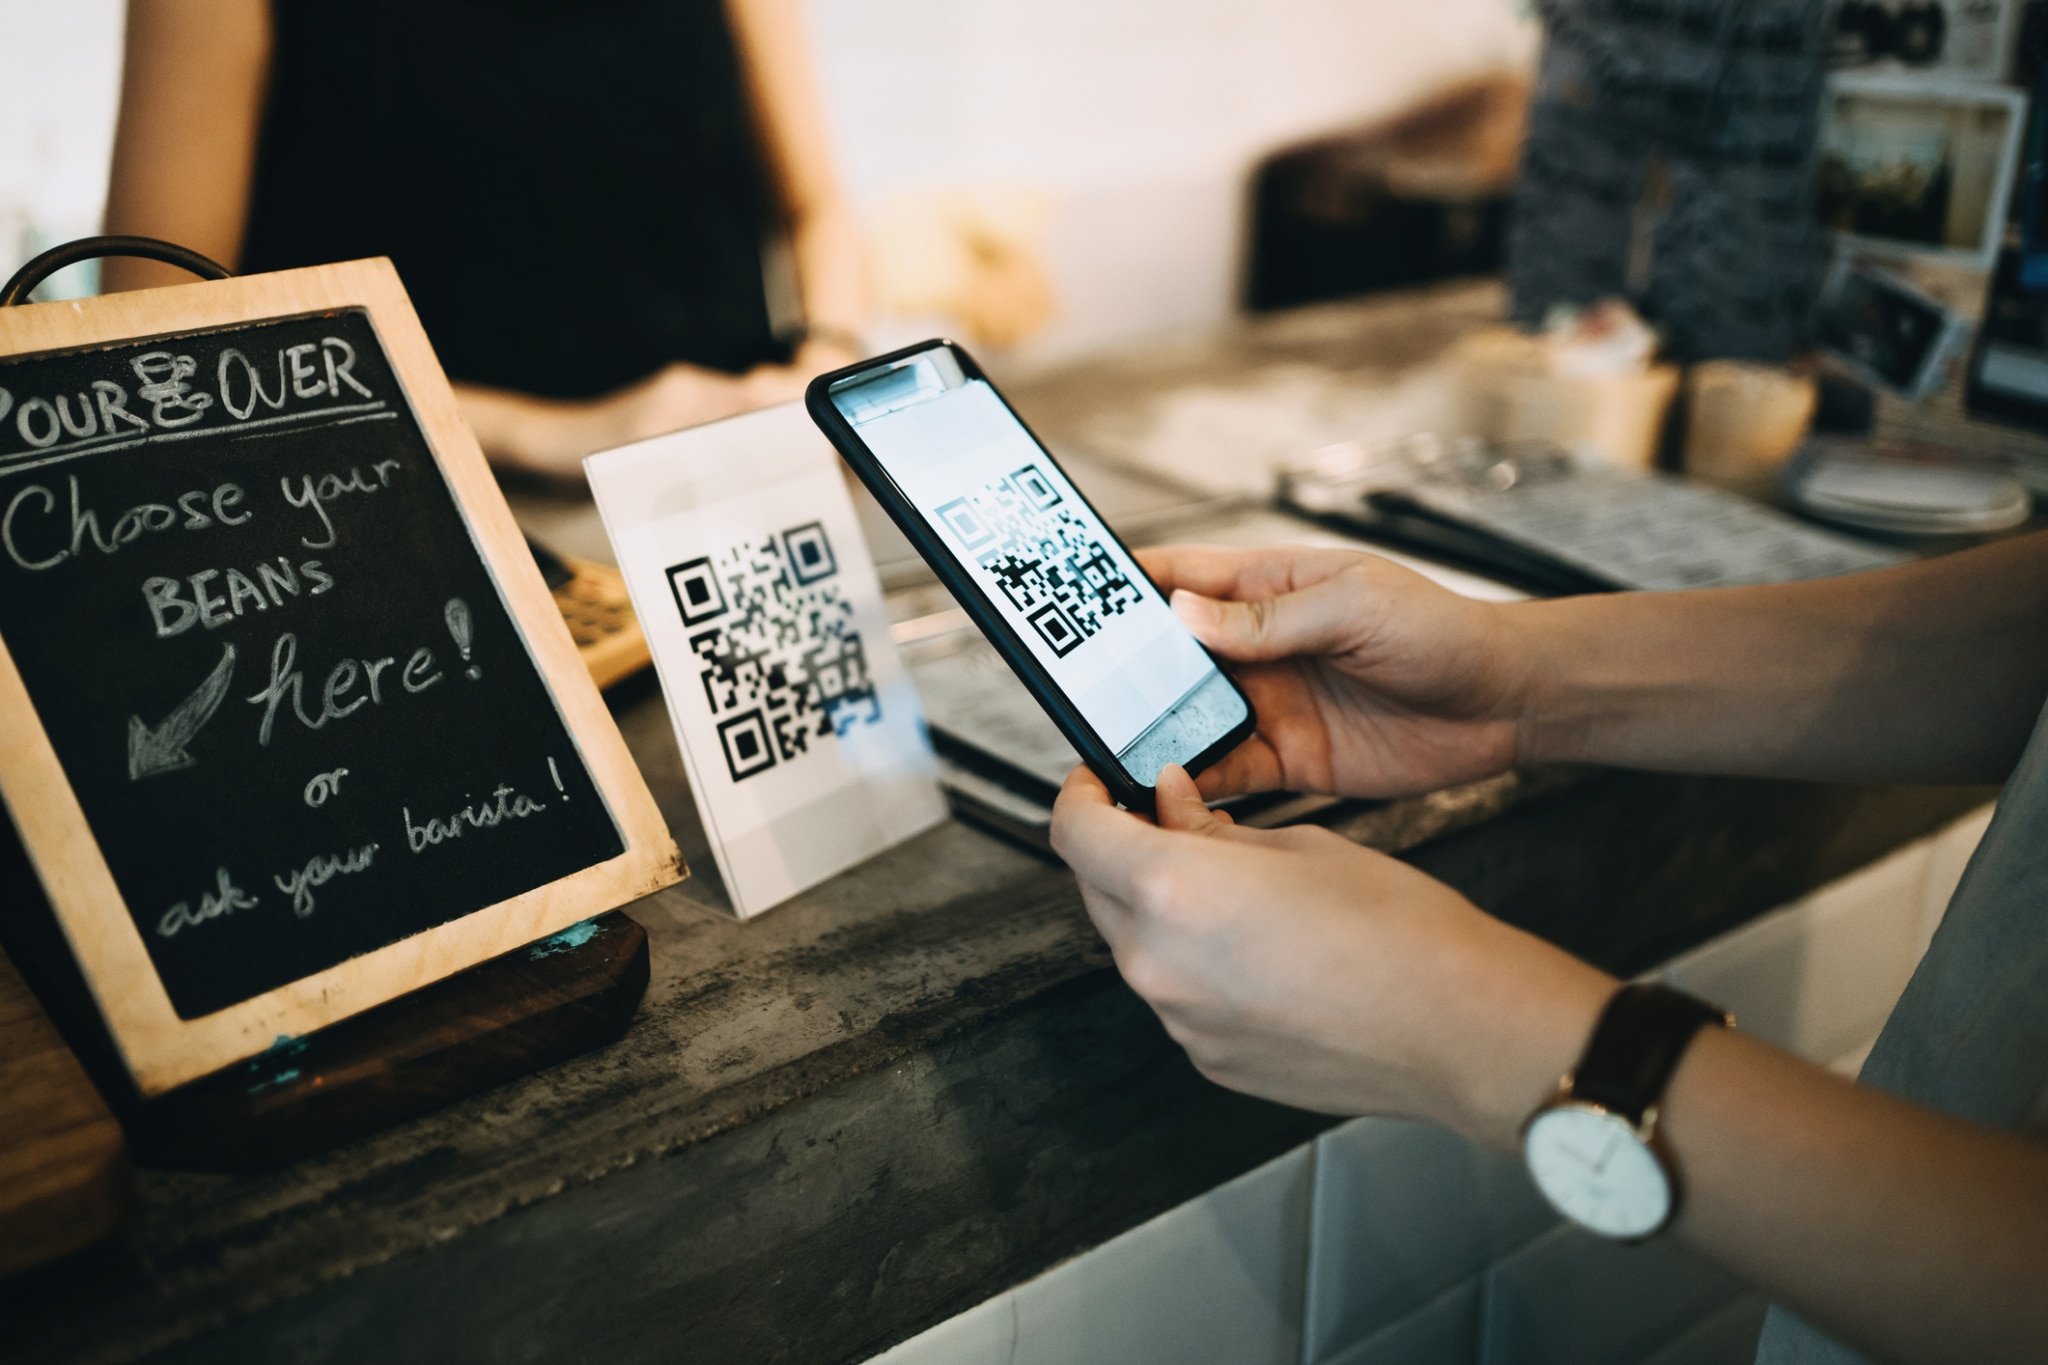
{"x":874,"y":1106}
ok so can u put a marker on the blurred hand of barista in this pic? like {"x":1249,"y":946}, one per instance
{"x":549,"y":437}
{"x":679,"y":396}
{"x":1368,"y":679}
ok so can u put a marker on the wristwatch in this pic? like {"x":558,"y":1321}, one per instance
{"x":1592,"y":1148}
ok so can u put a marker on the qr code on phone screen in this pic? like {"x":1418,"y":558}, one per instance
{"x":778,"y":654}
{"x":1044,"y":555}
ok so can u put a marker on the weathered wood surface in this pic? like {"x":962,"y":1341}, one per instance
{"x":64,"y":1176}
{"x":530,"y":1008}
{"x":865,"y":1111}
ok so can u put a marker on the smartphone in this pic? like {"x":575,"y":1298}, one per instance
{"x":1033,"y":564}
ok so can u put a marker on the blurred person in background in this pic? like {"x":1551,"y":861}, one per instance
{"x":580,"y":199}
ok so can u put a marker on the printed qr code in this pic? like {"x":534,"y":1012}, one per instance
{"x":1043,"y":555}
{"x":778,"y":655}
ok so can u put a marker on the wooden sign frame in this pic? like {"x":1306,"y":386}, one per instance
{"x":161,"y":1049}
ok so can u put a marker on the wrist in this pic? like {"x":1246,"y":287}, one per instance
{"x":1535,"y":1014}
{"x":551,"y":436}
{"x":522,"y":432}
{"x":1527,"y":681}
{"x":824,"y":351}
{"x":1546,"y":730}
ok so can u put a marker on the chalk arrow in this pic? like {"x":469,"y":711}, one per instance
{"x":162,"y":750}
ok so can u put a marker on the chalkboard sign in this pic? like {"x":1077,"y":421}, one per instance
{"x":270,"y":636}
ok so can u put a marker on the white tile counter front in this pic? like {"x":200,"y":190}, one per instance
{"x":1389,"y":1242}
{"x":1219,"y":1278}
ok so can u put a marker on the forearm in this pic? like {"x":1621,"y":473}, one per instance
{"x":1930,"y":672}
{"x":1906,"y":1232}
{"x":185,"y":143}
{"x":830,"y":272}
{"x":550,"y":436}
{"x":1910,"y":1233}
{"x":789,"y":122}
{"x":1296,"y":966}
{"x":524,"y":432}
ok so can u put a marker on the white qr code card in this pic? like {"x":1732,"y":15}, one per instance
{"x":800,"y":731}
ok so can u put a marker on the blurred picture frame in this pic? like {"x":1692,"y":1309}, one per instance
{"x":1886,"y":331}
{"x":1971,"y":40}
{"x":1919,"y":167}
{"x":2008,"y":374}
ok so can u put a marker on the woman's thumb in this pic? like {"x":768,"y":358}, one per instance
{"x":1178,"y":805}
{"x":1315,"y":620}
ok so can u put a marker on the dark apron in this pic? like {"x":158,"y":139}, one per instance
{"x":572,"y":193}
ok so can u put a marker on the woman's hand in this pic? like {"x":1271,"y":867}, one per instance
{"x":687,"y":395}
{"x":550,"y":437}
{"x":675,"y":397}
{"x":1295,"y":965}
{"x":1368,"y":679}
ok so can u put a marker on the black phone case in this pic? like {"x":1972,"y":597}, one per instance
{"x":1097,"y":755}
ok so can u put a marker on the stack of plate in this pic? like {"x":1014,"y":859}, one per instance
{"x":1909,"y":497}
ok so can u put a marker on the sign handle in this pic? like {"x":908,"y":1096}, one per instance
{"x":56,"y":258}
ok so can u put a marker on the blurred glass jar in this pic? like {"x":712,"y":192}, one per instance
{"x":1744,"y":422}
{"x":1511,"y":388}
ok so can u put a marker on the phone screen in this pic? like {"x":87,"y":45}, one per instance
{"x":1038,"y":553}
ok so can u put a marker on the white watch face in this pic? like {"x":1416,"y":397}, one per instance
{"x":1596,"y":1171}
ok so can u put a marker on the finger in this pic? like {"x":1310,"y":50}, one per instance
{"x":1179,"y":806}
{"x":1082,"y":788}
{"x":1082,"y":792}
{"x":1253,"y":766}
{"x":1321,"y":618}
{"x":1289,"y":749}
{"x":1211,"y":569}
{"x":1109,"y":849}
{"x":1182,"y":811}
{"x":1229,"y":571}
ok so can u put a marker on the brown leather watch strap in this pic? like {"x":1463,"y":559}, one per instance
{"x":1636,"y":1046}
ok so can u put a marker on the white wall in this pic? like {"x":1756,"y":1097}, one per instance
{"x":1139,"y":120}
{"x":57,"y":99}
{"x":1136,"y":120}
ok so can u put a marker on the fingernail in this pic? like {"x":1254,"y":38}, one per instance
{"x":1191,"y":609}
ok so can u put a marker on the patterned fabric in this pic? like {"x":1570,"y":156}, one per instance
{"x":1670,"y":162}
